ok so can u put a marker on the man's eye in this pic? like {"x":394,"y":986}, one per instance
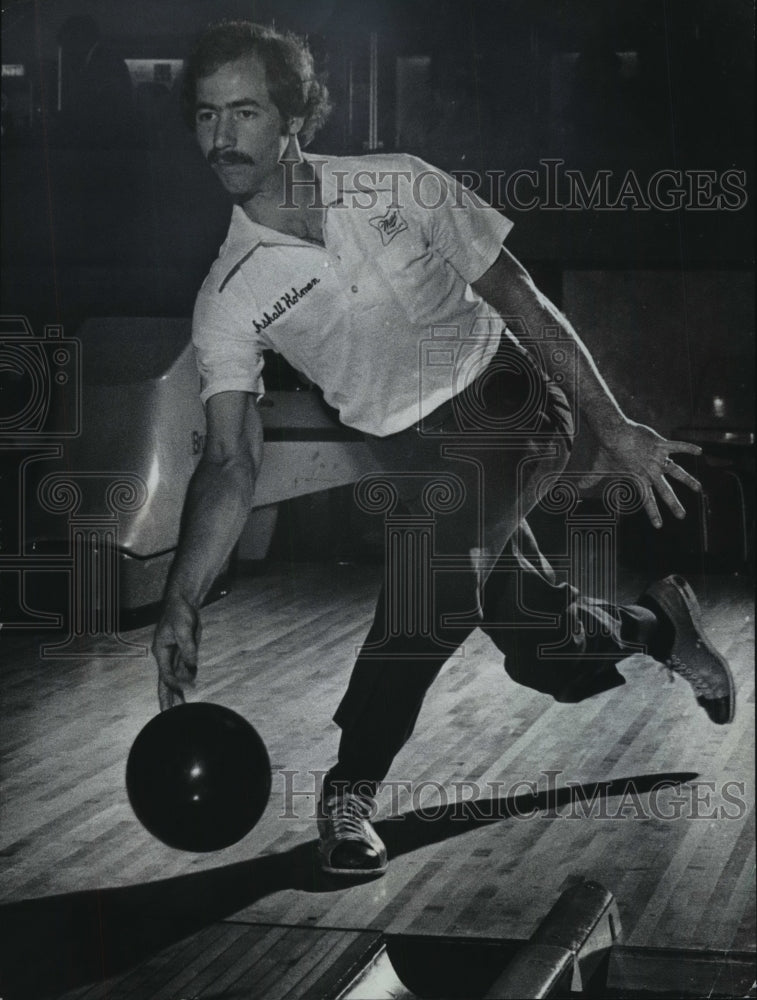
{"x":202,"y":117}
{"x":245,"y":114}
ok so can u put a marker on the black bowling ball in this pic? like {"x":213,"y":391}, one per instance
{"x":198,"y":777}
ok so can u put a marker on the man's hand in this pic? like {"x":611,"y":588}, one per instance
{"x":625,"y":446}
{"x":633,"y":448}
{"x":174,"y":647}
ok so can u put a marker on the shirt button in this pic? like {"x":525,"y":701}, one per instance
{"x":354,"y":288}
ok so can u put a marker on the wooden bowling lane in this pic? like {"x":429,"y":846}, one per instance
{"x":237,"y":960}
{"x":565,"y":791}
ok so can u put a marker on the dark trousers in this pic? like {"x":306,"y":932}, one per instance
{"x":456,"y":489}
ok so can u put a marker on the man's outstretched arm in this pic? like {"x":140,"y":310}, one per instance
{"x":625,"y":445}
{"x":218,"y":502}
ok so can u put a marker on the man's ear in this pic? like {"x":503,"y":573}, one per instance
{"x":294,"y":125}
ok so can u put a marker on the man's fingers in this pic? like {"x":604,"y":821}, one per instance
{"x":168,"y":696}
{"x":684,"y":447}
{"x":165,"y":695}
{"x":176,"y":660}
{"x":676,"y":472}
{"x":185,"y":639}
{"x":650,"y":506}
{"x":164,"y":654}
{"x":183,"y":666}
{"x":175,"y":650}
{"x":174,"y":671}
{"x":669,"y":498}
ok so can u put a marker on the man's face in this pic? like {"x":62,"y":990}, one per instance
{"x":239,"y":127}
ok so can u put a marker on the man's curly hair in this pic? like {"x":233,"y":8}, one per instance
{"x":292,"y":82}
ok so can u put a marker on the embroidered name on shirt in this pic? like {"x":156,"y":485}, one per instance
{"x":389,"y":224}
{"x":284,"y":303}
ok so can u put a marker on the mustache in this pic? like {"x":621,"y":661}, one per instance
{"x":229,"y":158}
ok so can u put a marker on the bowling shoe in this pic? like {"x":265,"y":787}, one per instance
{"x":348,"y":843}
{"x":686,"y":649}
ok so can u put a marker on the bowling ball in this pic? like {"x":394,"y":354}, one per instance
{"x":198,"y":777}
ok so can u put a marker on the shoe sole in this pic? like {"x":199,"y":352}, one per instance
{"x":355,"y":872}
{"x":659,"y":593}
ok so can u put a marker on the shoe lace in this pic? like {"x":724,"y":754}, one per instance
{"x":675,"y":665}
{"x":347,"y":815}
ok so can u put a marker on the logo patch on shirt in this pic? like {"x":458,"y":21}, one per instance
{"x":389,"y":224}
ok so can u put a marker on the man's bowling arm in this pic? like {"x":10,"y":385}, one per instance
{"x":218,"y":502}
{"x":219,"y":496}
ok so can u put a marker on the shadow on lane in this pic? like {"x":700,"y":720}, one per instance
{"x":56,"y":943}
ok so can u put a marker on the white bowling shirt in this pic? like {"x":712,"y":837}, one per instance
{"x":382,"y":317}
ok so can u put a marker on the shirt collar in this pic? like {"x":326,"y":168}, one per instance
{"x":244,"y":232}
{"x":245,"y":235}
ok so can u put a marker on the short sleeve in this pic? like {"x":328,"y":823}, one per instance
{"x":462,"y":228}
{"x":228,"y":352}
